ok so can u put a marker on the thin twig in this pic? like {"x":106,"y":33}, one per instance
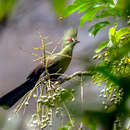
{"x":57,"y":45}
{"x":68,"y":114}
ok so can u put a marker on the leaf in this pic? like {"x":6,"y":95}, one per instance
{"x":6,"y":7}
{"x":67,"y":126}
{"x":101,"y":46}
{"x":66,"y":95}
{"x":73,"y":7}
{"x":90,"y":123}
{"x":112,"y":33}
{"x":59,"y":6}
{"x":86,"y":6}
{"x":115,"y":1}
{"x":90,"y":14}
{"x":95,"y":28}
{"x":103,"y":14}
{"x":83,"y":8}
{"x":122,"y":32}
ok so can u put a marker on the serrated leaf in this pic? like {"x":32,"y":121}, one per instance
{"x":101,"y":46}
{"x":90,"y":14}
{"x":98,"y":26}
{"x":122,"y":32}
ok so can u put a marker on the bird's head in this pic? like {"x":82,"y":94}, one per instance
{"x":70,"y":37}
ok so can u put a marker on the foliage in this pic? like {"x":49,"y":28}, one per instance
{"x":112,"y":69}
{"x":6,"y":9}
{"x":59,"y":6}
{"x":97,"y":9}
{"x":67,"y":126}
{"x":95,"y":28}
{"x":114,"y":61}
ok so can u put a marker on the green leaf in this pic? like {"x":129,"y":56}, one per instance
{"x":67,"y":126}
{"x":101,"y":46}
{"x":66,"y":95}
{"x":122,"y":32}
{"x":98,"y":26}
{"x":6,"y":7}
{"x":86,"y":6}
{"x":112,"y":33}
{"x":83,"y":8}
{"x":90,"y":124}
{"x":59,"y":6}
{"x":90,"y":14}
{"x":103,"y":14}
{"x":73,"y":7}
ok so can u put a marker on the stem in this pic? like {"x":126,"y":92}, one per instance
{"x":82,"y":98}
{"x":68,"y":114}
{"x":44,"y":55}
{"x":82,"y":89}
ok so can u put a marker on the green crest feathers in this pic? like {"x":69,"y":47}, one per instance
{"x":72,"y":32}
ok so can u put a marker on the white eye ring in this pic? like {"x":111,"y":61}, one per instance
{"x":73,"y":40}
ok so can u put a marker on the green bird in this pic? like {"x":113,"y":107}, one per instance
{"x":56,"y":63}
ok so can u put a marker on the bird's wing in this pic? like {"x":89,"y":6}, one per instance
{"x":41,"y":67}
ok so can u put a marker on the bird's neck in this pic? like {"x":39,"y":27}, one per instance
{"x":67,"y":50}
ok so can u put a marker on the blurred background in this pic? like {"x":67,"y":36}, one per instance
{"x":19,"y":29}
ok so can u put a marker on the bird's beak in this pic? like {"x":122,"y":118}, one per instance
{"x":77,"y":41}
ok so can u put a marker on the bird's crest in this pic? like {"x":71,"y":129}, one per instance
{"x":72,"y":32}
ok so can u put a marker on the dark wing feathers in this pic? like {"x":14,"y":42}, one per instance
{"x":37,"y":71}
{"x":41,"y":68}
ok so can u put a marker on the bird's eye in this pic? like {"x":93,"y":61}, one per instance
{"x":70,"y":39}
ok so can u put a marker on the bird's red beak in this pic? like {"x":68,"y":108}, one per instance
{"x":77,"y":41}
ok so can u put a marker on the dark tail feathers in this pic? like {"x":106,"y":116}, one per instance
{"x":12,"y":97}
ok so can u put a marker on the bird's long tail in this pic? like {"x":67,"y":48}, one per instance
{"x":13,"y":96}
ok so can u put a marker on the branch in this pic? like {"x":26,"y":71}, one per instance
{"x":80,"y":73}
